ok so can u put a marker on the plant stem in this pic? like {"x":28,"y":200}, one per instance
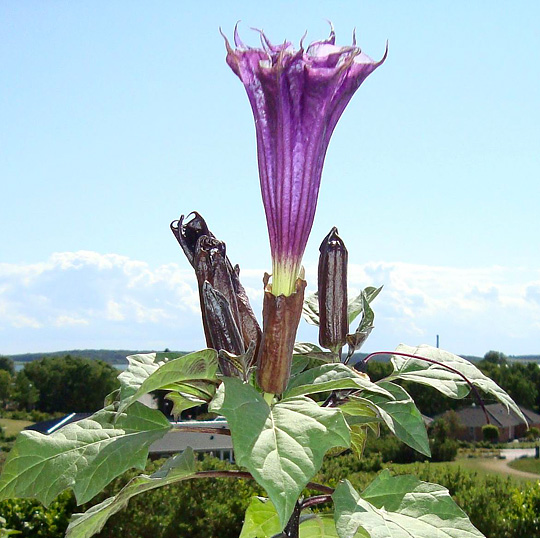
{"x":247,"y":476}
{"x":318,"y":499}
{"x":292,"y":530}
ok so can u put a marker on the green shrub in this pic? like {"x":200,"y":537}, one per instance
{"x":33,"y":520}
{"x":444,"y":451}
{"x":490,"y":433}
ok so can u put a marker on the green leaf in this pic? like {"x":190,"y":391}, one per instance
{"x":184,"y":374}
{"x":357,"y":339}
{"x":358,"y":439}
{"x":140,"y":367}
{"x":283,"y":445}
{"x":177,"y":468}
{"x":261,"y":519}
{"x":361,"y":415}
{"x":84,"y":456}
{"x":182,"y":402}
{"x":400,"y":507}
{"x":402,"y":417}
{"x":307,"y":356}
{"x":335,"y":376}
{"x":310,"y":309}
{"x":356,"y":306}
{"x":312,"y":351}
{"x":321,"y":526}
{"x":449,"y":383}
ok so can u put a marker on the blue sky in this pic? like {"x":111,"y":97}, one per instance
{"x":116,"y":117}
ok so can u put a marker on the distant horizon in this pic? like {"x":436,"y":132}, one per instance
{"x":133,"y":351}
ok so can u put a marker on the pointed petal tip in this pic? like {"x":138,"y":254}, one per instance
{"x":302,"y":40}
{"x":332,"y":37}
{"x":236,"y":36}
{"x":226,"y":39}
{"x":383,"y":59}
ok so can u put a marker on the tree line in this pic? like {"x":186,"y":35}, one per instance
{"x":56,"y":384}
{"x":79,"y":384}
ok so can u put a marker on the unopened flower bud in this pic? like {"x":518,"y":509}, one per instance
{"x":208,"y":257}
{"x":222,"y":329}
{"x":281,"y":316}
{"x":332,"y":292}
{"x":189,"y":233}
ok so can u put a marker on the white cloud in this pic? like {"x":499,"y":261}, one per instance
{"x":86,"y":299}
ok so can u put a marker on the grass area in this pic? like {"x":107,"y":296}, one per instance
{"x":529,"y":465}
{"x":13,"y":427}
{"x":481,"y":467}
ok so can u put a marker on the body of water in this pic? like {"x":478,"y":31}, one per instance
{"x":20,"y":365}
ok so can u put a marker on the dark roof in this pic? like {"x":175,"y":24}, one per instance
{"x":49,"y":426}
{"x":498,"y":415}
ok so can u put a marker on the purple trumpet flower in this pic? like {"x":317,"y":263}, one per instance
{"x":297,"y":97}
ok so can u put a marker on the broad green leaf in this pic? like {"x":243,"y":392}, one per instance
{"x":318,"y":526}
{"x":323,"y":526}
{"x":182,"y":402}
{"x":361,"y":415}
{"x":140,"y":367}
{"x":181,"y":375}
{"x":261,"y":519}
{"x":282,"y":446}
{"x":400,"y":507}
{"x":356,"y":305}
{"x":356,"y":340}
{"x":84,"y":456}
{"x":310,"y":309}
{"x":312,"y":351}
{"x":444,"y":380}
{"x":177,"y":468}
{"x":243,"y":364}
{"x":402,"y":417}
{"x":358,"y":439}
{"x":335,"y":376}
{"x":307,"y":356}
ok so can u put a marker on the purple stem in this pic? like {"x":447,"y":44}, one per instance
{"x":318,"y":499}
{"x":247,"y":476}
{"x":473,"y":388}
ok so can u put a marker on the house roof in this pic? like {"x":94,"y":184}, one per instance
{"x":49,"y":426}
{"x":177,"y":440}
{"x":498,"y":414}
{"x":173,"y":441}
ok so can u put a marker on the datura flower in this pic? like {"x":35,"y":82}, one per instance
{"x":297,"y":97}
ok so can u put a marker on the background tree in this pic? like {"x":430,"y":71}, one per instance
{"x":71,"y":384}
{"x":521,"y":381}
{"x":5,"y":387}
{"x":7,"y":364}
{"x":25,"y":393}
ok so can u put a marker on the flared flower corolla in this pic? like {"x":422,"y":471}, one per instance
{"x":297,"y":97}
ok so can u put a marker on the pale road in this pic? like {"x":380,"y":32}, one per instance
{"x":515,"y":453}
{"x":501,"y":465}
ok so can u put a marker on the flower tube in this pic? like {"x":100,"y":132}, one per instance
{"x":297,"y":97}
